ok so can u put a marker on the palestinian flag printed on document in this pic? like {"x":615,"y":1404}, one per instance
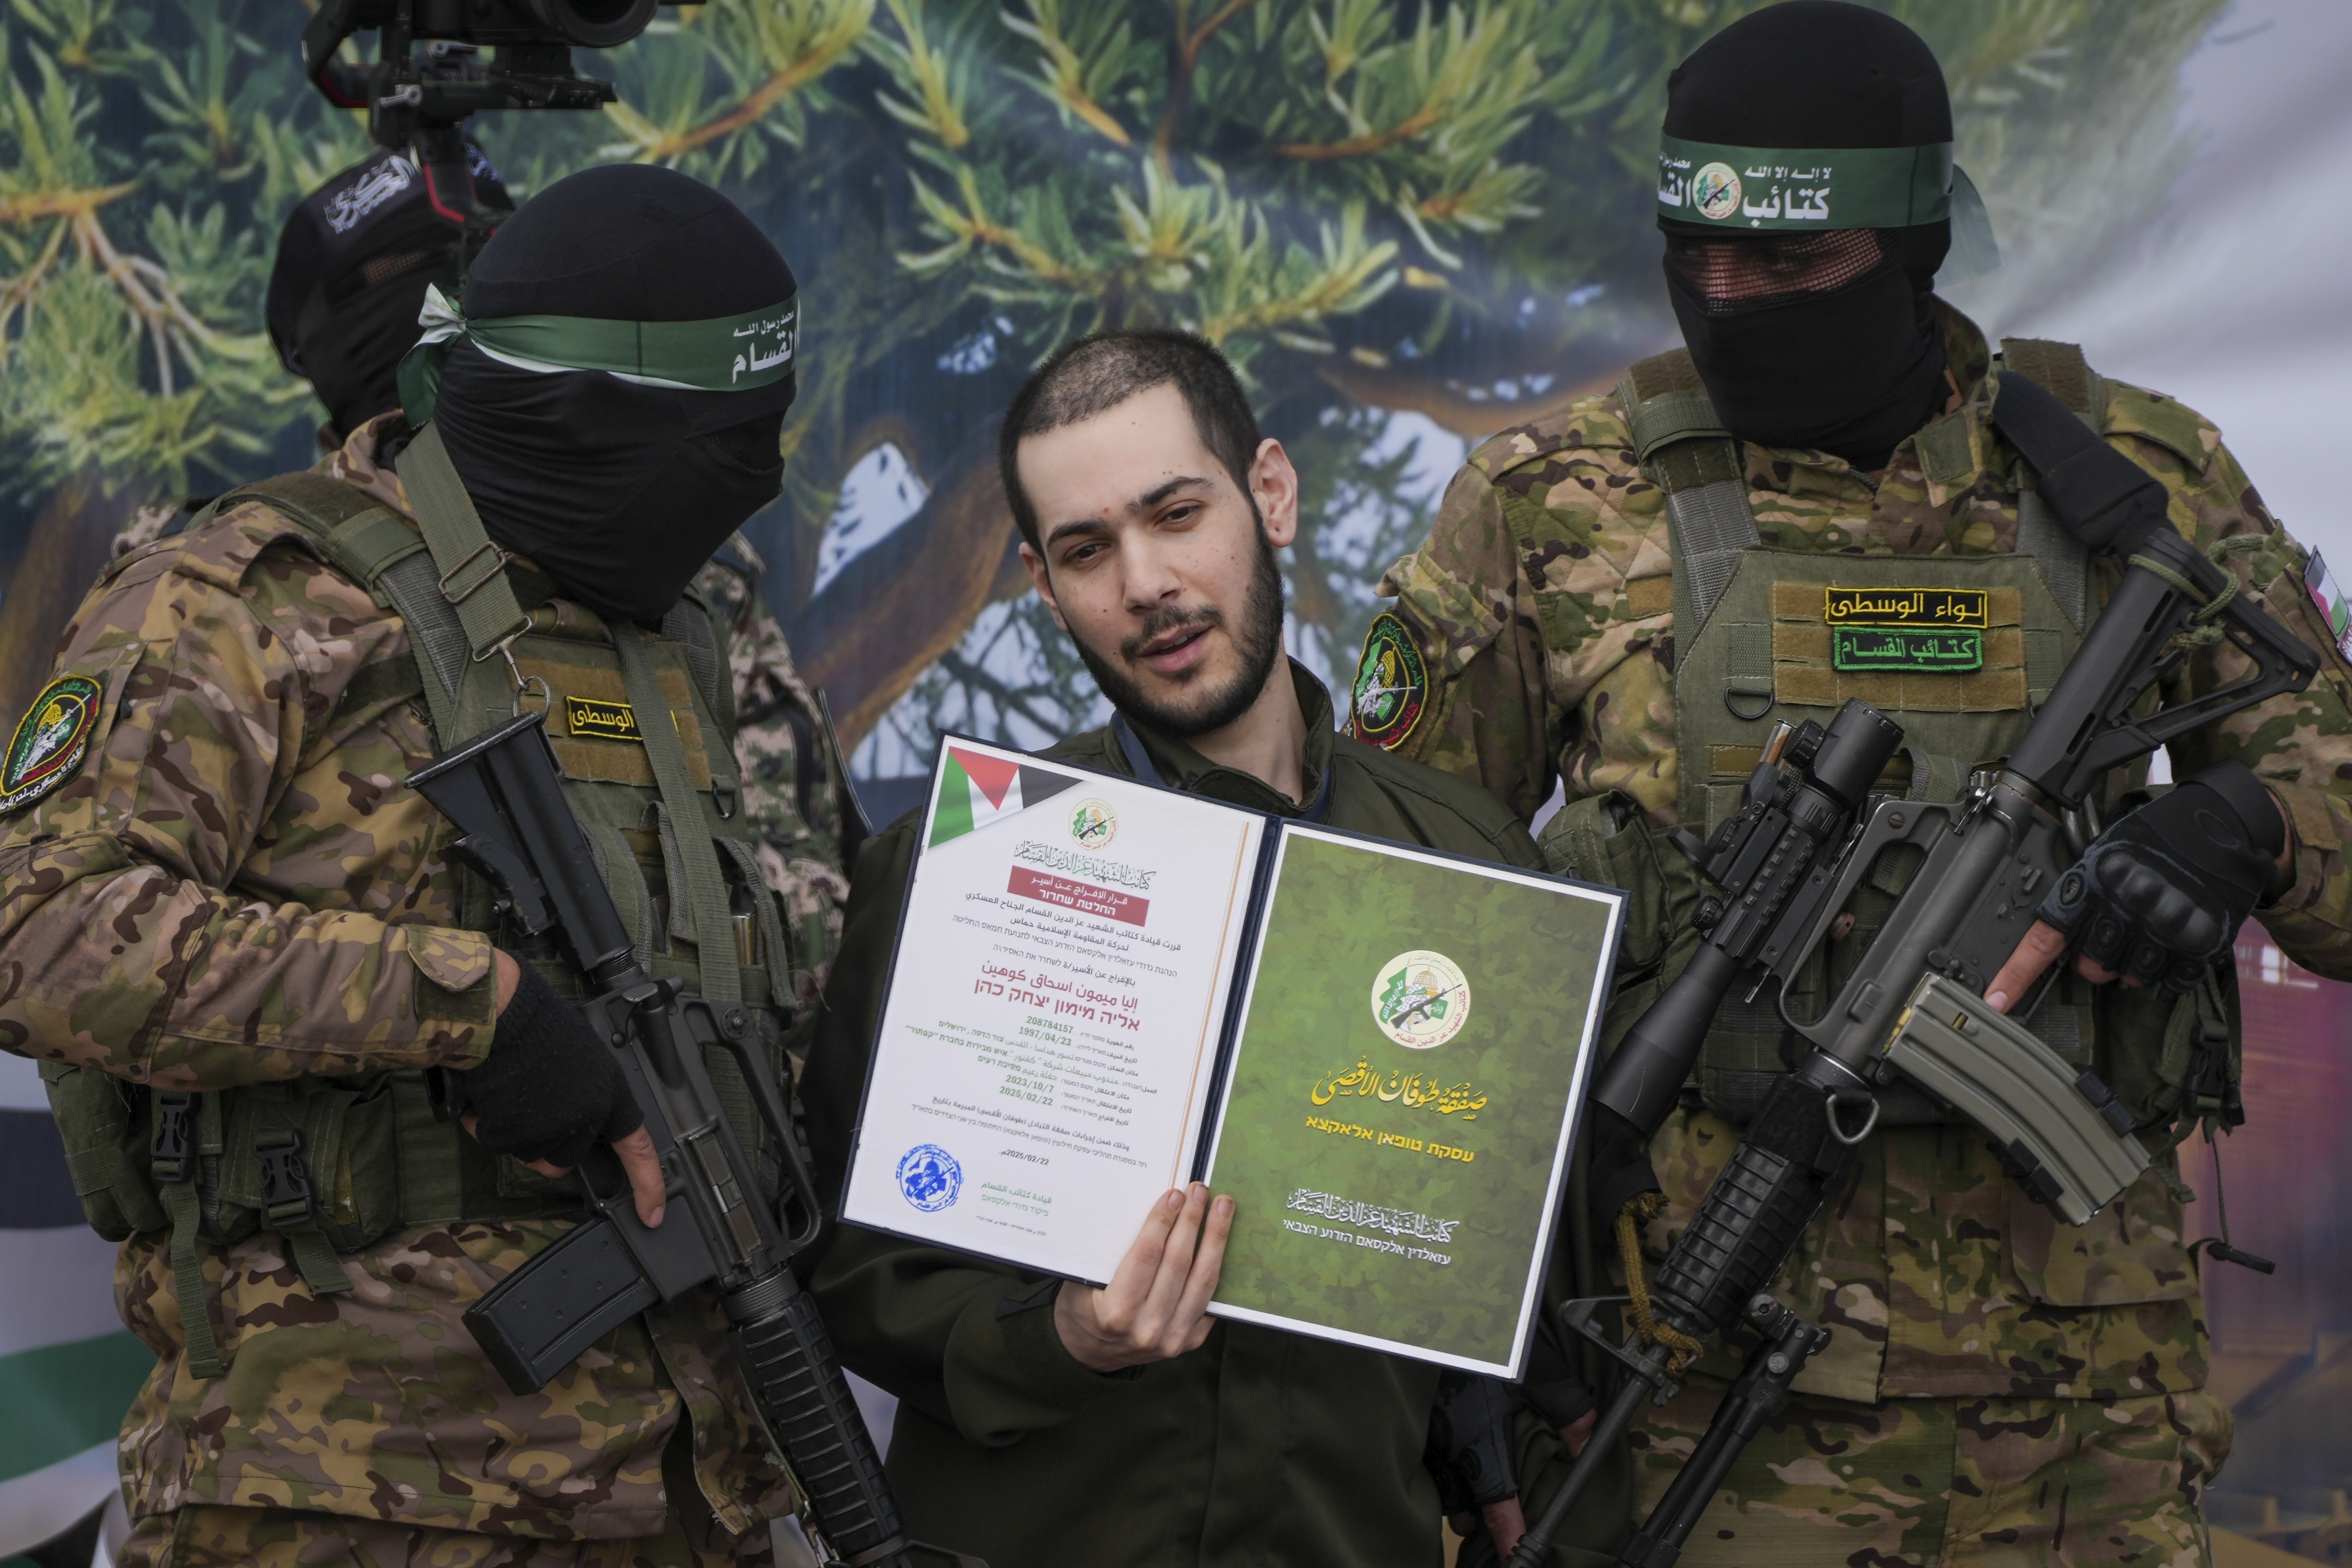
{"x":977,"y":790}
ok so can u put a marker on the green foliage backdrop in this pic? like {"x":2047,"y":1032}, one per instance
{"x":1380,"y":209}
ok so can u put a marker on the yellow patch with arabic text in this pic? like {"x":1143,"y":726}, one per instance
{"x":608,"y":721}
{"x":1930,"y":609}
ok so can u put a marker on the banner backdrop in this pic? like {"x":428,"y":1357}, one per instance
{"x":68,"y":1368}
{"x":1407,"y":223}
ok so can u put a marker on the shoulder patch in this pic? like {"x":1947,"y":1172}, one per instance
{"x":50,"y":741}
{"x":1392,"y":685}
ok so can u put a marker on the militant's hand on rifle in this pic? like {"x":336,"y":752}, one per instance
{"x":1479,"y":1437}
{"x":549,"y":1090}
{"x":2161,"y":894}
{"x":504,"y":793}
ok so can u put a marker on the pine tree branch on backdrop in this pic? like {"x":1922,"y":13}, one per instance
{"x":1437,"y":209}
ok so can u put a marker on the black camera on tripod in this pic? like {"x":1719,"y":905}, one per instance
{"x":419,"y":96}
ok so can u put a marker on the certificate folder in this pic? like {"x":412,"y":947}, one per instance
{"x":1102,"y":989}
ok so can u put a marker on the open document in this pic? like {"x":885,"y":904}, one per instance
{"x":1103,"y":989}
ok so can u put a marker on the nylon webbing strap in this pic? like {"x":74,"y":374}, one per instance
{"x":176,"y":1155}
{"x":706,"y":888}
{"x":296,"y":1155}
{"x":617,"y":864}
{"x":315,"y":1259}
{"x":687,"y":623}
{"x":771,"y":926}
{"x":1711,"y":528}
{"x":2097,"y":495}
{"x":373,"y":540}
{"x":413,"y":586}
{"x":431,"y":1163}
{"x":1685,"y":450}
{"x":1743,"y":1056}
{"x":95,"y":1170}
{"x":375,"y":548}
{"x":2066,"y":564}
{"x":717,"y":977}
{"x":2061,"y":370}
{"x":472,"y":577}
{"x":204,"y":1352}
{"x":681,"y":913}
{"x":1934,"y":777}
{"x":1682,"y":414}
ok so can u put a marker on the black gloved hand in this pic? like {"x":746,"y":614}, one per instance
{"x":2158,"y":896}
{"x":1618,"y":1158}
{"x":1553,"y":1388}
{"x":1469,"y":1450}
{"x":550,"y":1089}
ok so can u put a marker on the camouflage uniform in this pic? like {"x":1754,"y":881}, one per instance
{"x":149,"y":523}
{"x":234,"y":889}
{"x":1994,"y":1373}
{"x":792,"y":780}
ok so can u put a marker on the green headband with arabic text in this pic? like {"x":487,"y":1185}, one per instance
{"x":723,"y":353}
{"x":1804,"y":187}
{"x":1761,"y":190}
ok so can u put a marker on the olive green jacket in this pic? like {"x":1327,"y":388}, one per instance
{"x":1260,"y":1447}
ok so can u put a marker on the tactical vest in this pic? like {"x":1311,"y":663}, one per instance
{"x":643,"y":725}
{"x":1961,"y":650}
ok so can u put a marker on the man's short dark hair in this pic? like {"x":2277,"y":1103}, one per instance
{"x":1084,"y":378}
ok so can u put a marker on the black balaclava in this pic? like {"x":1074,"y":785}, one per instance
{"x":353,"y":265}
{"x":618,"y":489}
{"x":1849,"y":362}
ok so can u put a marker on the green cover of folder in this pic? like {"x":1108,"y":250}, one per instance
{"x":1414,"y":1043}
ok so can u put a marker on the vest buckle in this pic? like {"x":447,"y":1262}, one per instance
{"x":285,"y":1184}
{"x":456,"y":594}
{"x":168,"y":1154}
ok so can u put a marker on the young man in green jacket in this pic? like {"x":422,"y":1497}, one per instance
{"x":1042,"y":1421}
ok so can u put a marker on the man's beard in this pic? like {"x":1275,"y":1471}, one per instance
{"x":1257,"y":638}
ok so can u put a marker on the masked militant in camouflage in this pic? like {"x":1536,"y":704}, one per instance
{"x":232,"y":936}
{"x":1987,"y":1359}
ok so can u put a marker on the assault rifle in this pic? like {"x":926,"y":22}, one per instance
{"x":504,"y":792}
{"x":1912,"y":1008}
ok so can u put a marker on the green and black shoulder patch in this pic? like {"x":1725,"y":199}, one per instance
{"x":50,"y":742}
{"x":1392,"y":685}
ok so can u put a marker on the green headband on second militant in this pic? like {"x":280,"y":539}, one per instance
{"x":723,"y":353}
{"x":1759,"y":190}
{"x":1805,"y":188}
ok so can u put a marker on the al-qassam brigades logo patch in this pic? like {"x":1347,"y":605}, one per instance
{"x":1392,"y":685}
{"x":1420,"y":999}
{"x":50,"y":741}
{"x":1093,"y":823}
{"x":1715,"y":192}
